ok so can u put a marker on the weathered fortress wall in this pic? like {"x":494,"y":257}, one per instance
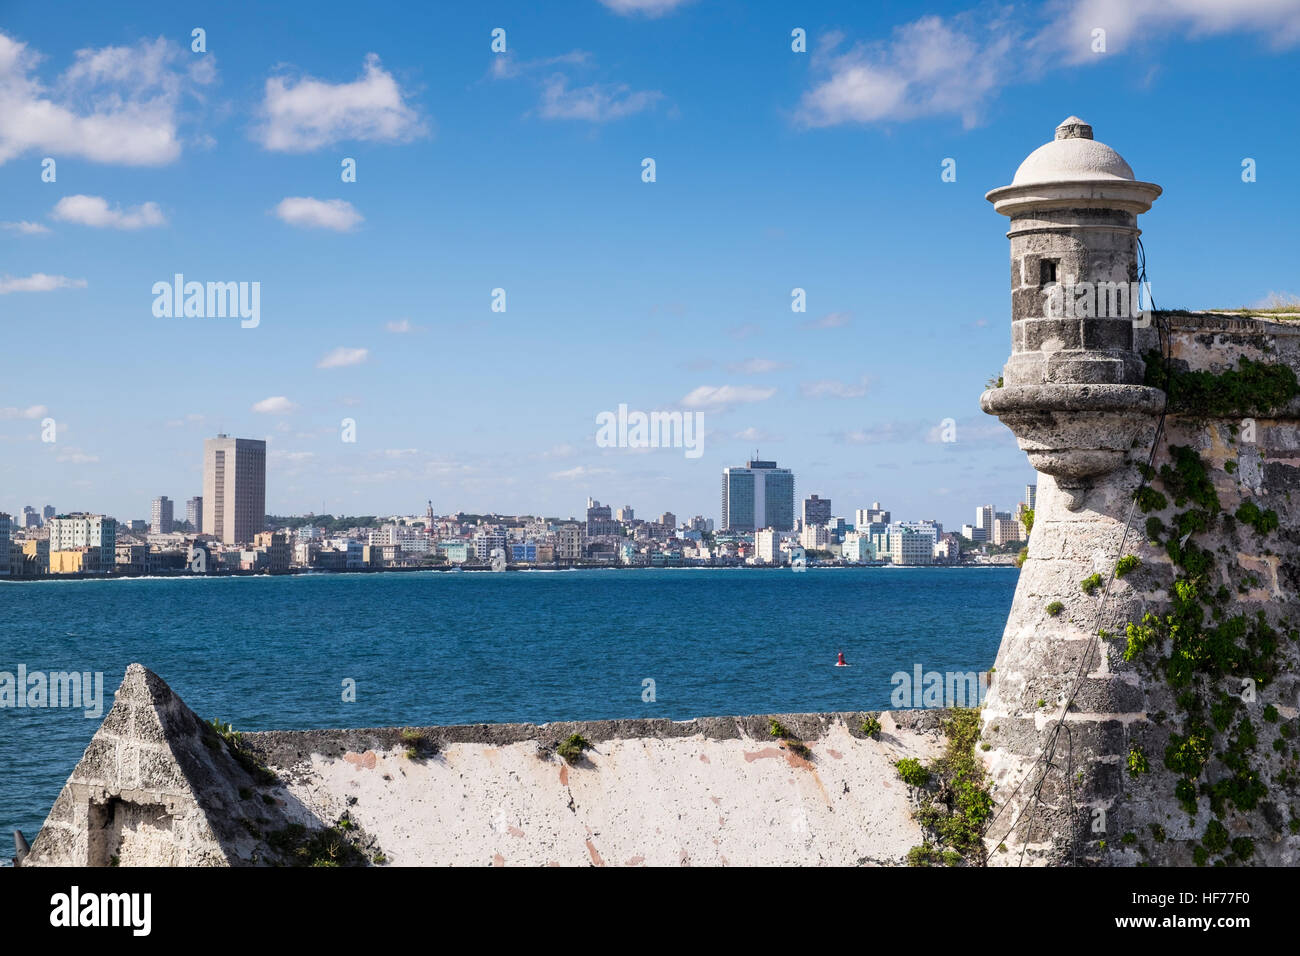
{"x":1144,"y":701}
{"x":157,"y":788}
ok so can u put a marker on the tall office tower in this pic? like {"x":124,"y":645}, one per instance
{"x":816,"y":511}
{"x":234,"y":488}
{"x":984,"y":516}
{"x":760,"y":495}
{"x":160,"y":519}
{"x":30,"y":517}
{"x":47,"y":513}
{"x":1031,"y":495}
{"x":194,"y":513}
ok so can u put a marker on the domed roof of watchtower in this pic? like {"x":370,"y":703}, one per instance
{"x":1075,"y":170}
{"x":1073,"y":155}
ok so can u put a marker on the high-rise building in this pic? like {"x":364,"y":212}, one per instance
{"x":600,"y":521}
{"x":767,"y":546}
{"x":5,"y":530}
{"x":873,"y":515}
{"x":816,"y":511}
{"x":160,"y":520}
{"x":47,"y":513}
{"x":234,"y":488}
{"x":625,"y":514}
{"x":31,"y":519}
{"x":984,"y":516}
{"x":1031,"y":495}
{"x":668,"y":520}
{"x":760,"y":495}
{"x":194,"y":513}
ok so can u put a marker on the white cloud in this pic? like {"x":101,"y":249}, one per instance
{"x":647,"y":8}
{"x":756,"y":366}
{"x":720,"y":396}
{"x":581,"y":471}
{"x":828,"y":388}
{"x":303,"y":114}
{"x":309,"y":213}
{"x":275,"y":405}
{"x":32,"y":411}
{"x":115,"y":104}
{"x":95,"y":211}
{"x":936,"y":66}
{"x":39,"y":282}
{"x":400,"y":327}
{"x":25,"y":228}
{"x":75,"y":456}
{"x":877,"y":434}
{"x":1278,"y":21}
{"x":831,"y":320}
{"x":505,"y":66}
{"x":341,"y":357}
{"x":596,"y":103}
{"x":756,"y":434}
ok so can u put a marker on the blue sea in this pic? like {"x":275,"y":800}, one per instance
{"x":446,"y":648}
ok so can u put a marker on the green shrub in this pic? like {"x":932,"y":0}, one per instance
{"x":913,"y":774}
{"x":1055,"y":608}
{"x":1126,"y":565}
{"x":571,"y":749}
{"x":1091,"y":583}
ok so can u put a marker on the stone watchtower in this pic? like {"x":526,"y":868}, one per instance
{"x":1144,"y":699}
{"x":1072,"y":390}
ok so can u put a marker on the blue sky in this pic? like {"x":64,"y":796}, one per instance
{"x":523,"y":171}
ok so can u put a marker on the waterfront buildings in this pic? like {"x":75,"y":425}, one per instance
{"x":760,"y":495}
{"x":907,"y":546}
{"x":816,"y":510}
{"x":873,"y":515}
{"x":234,"y":488}
{"x":815,"y":537}
{"x":568,"y":543}
{"x":160,"y":520}
{"x":767,"y":546}
{"x":92,"y":537}
{"x":600,"y":521}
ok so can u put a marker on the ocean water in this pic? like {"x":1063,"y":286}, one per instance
{"x":442,"y":648}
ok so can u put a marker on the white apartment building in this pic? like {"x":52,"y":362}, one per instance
{"x":910,"y":547}
{"x":816,"y":537}
{"x":767,"y":546}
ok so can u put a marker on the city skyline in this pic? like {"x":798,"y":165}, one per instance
{"x":245,"y":481}
{"x":376,"y":297}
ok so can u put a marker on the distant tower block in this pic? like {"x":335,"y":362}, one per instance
{"x":1072,"y":388}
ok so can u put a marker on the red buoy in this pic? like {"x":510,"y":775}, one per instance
{"x":841,"y":662}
